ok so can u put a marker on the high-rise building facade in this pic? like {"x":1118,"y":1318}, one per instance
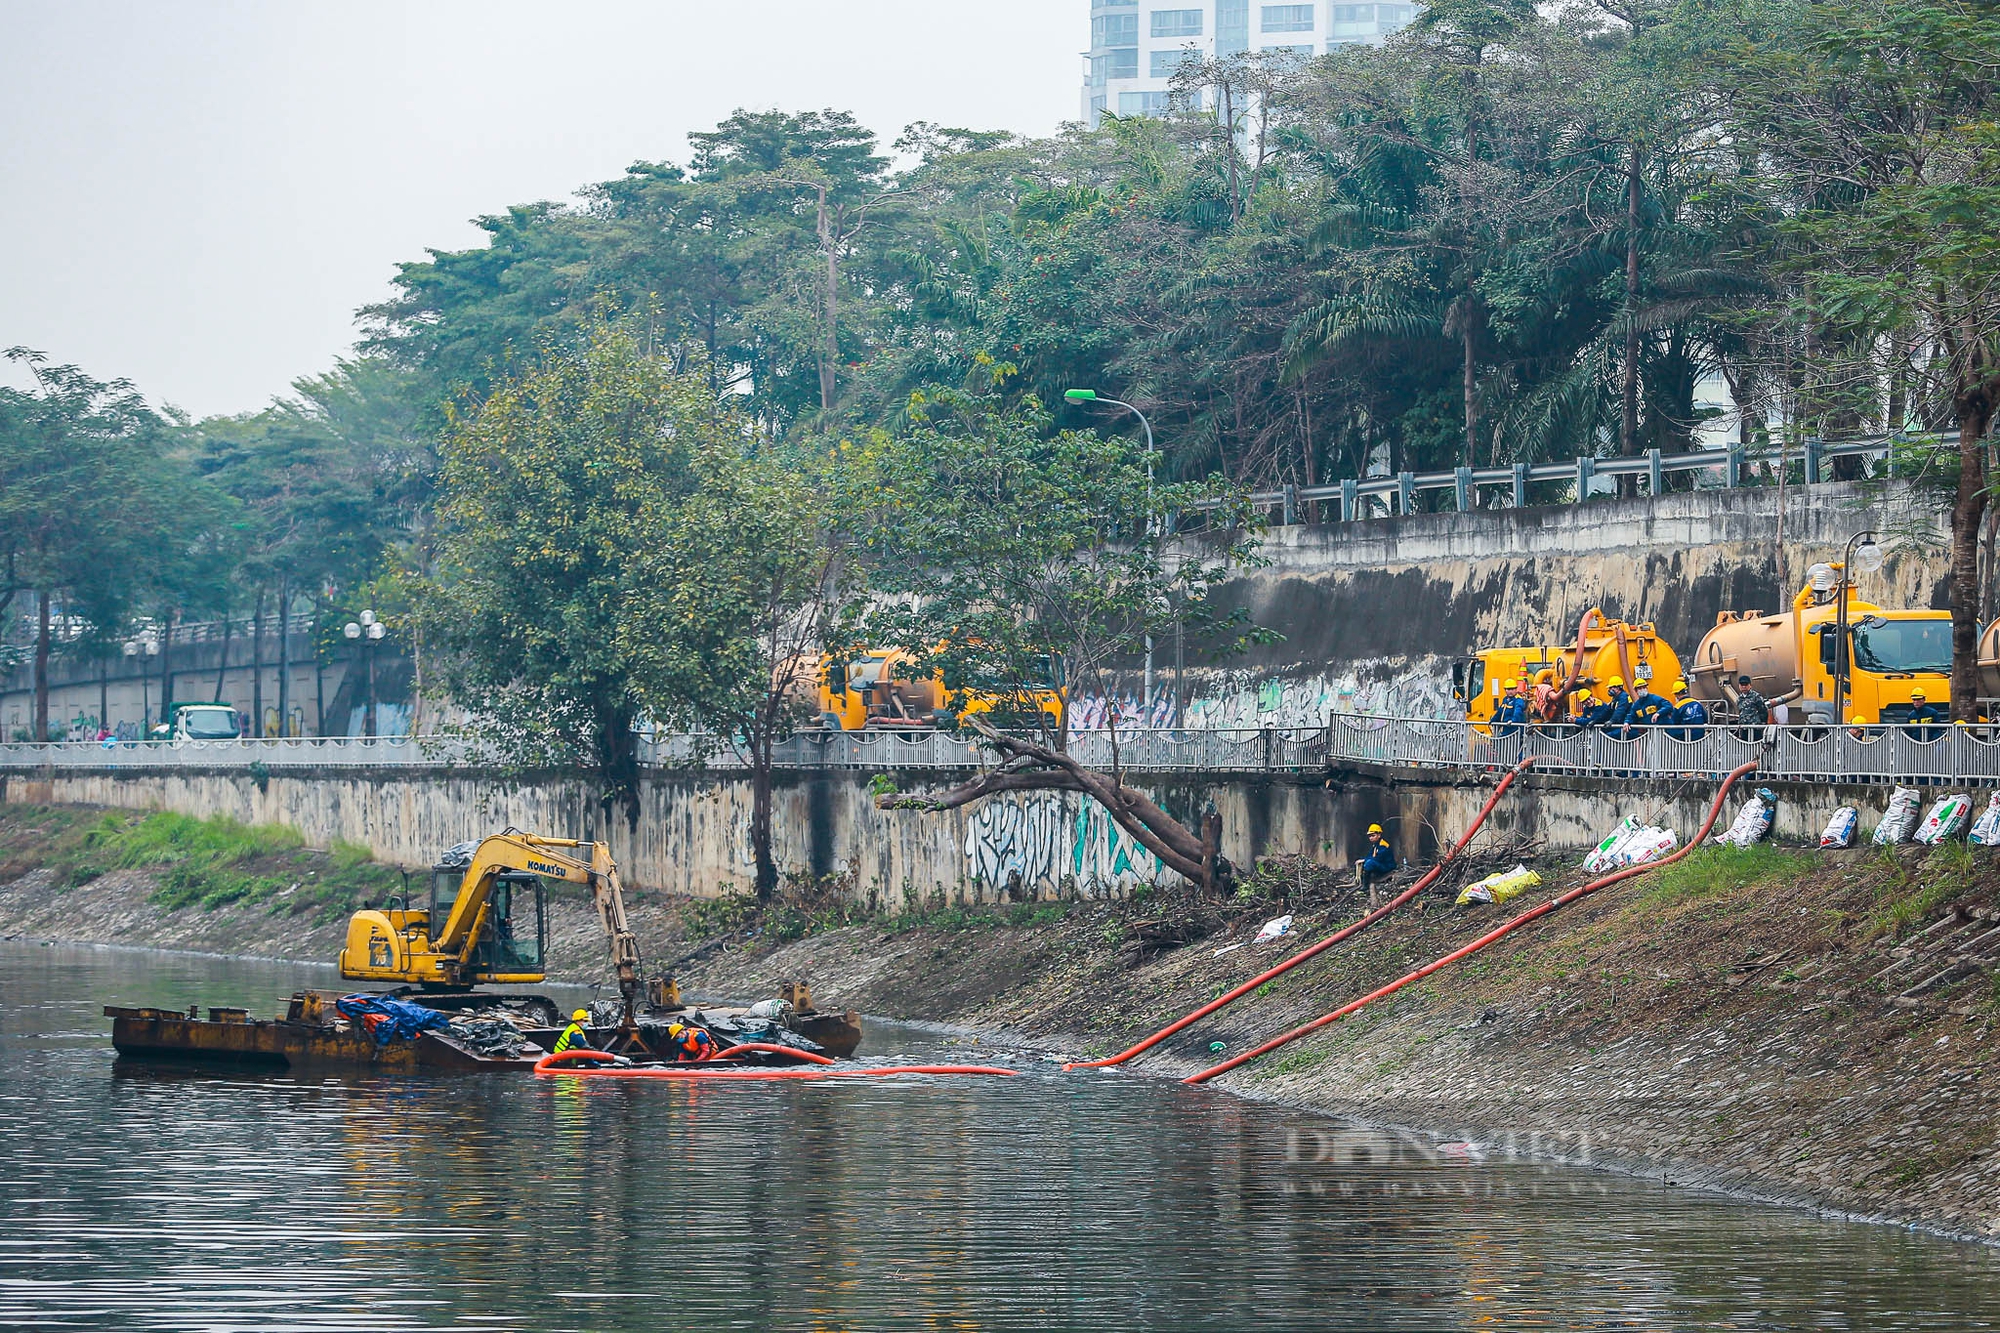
{"x":1135,"y":45}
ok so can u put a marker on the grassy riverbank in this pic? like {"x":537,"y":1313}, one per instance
{"x":1802,"y":1026}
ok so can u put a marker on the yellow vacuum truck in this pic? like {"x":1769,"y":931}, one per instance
{"x":1847,"y":658}
{"x":1604,"y":648}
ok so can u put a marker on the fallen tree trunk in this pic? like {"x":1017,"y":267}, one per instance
{"x":1027,"y":766}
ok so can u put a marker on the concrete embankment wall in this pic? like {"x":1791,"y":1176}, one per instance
{"x":692,"y":835}
{"x":1370,"y":613}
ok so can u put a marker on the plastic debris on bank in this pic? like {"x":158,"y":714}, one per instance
{"x":1499,"y":888}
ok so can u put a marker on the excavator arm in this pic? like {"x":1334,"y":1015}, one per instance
{"x":565,"y":859}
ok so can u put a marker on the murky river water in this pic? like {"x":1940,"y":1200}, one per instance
{"x":151,"y":1199}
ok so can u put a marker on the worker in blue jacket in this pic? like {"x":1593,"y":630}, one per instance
{"x":1923,"y":713}
{"x":1513,"y":711}
{"x":1688,"y":720}
{"x":1378,"y":865}
{"x":1648,"y":710}
{"x":1612,"y":713}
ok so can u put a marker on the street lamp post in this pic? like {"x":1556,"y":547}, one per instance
{"x":368,"y":631}
{"x":1092,"y":396}
{"x":1865,"y":554}
{"x":148,"y":645}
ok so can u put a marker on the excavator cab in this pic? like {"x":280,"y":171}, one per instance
{"x":516,"y":935}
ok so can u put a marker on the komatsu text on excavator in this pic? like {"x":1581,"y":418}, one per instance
{"x":483,"y":921}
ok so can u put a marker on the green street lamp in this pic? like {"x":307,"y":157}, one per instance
{"x":1092,"y":396}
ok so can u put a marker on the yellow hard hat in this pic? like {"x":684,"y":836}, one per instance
{"x":1374,"y":828}
{"x":1680,"y":687}
{"x":581,"y":1016}
{"x":1916,"y":695}
{"x":1514,"y":684}
{"x":1857,"y":721}
{"x":1615,"y":683}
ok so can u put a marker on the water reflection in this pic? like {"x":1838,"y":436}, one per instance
{"x":179,"y":1198}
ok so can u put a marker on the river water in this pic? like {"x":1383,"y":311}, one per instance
{"x":163,"y":1198}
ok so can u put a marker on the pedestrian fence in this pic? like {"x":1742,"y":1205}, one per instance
{"x":1965,"y":755}
{"x":1879,"y":755}
{"x":1243,"y":750}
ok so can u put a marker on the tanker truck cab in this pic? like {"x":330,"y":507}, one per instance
{"x":1886,"y":655}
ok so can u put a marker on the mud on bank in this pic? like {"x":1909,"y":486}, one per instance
{"x":1808,"y":1028}
{"x":1814,"y":1028}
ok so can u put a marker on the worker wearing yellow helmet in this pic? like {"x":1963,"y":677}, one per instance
{"x":573,"y":1037}
{"x":1924,"y":712}
{"x":1513,"y":709}
{"x":1614,"y":711}
{"x":1687,"y":720}
{"x":1378,"y":865}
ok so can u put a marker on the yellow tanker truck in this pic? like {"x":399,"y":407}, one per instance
{"x":1604,"y":648}
{"x":1844,"y":657}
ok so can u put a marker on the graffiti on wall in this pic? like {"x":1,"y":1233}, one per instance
{"x":1042,"y":841}
{"x":1232,"y":700}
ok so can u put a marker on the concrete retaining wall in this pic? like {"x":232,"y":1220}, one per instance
{"x":692,"y":835}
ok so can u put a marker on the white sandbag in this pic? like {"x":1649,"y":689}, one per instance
{"x":1986,"y":829}
{"x":1602,"y":858}
{"x":1946,"y":818}
{"x":1753,"y":820}
{"x":1899,"y":820}
{"x":1840,"y":829}
{"x":1648,"y":844}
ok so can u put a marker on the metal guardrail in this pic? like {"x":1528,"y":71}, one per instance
{"x":1879,"y":756}
{"x":1248,"y":750}
{"x":1968,"y":756}
{"x":304,"y":752}
{"x":1398,"y":491}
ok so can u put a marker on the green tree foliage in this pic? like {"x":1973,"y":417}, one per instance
{"x":550,"y":491}
{"x":731,"y":596}
{"x":996,"y":548}
{"x":97,"y":519}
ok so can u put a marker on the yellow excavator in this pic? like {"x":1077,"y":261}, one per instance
{"x":484,"y":922}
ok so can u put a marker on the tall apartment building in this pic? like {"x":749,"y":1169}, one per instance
{"x":1135,"y":46}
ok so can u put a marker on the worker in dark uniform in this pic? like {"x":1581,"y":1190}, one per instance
{"x":1610,"y":715}
{"x":573,"y":1037}
{"x":1648,"y":710}
{"x":1513,"y":710}
{"x":1925,"y":713}
{"x":1378,"y":865}
{"x":1688,"y":720}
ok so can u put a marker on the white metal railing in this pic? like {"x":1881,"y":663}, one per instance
{"x":1962,"y":755}
{"x":1242,"y":750}
{"x":1959,"y":755}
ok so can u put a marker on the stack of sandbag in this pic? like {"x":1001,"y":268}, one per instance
{"x":1841,"y":828}
{"x":1630,"y":844}
{"x":1899,"y":821}
{"x":1986,"y":829}
{"x":1946,"y":819}
{"x":1500,"y":887}
{"x":1753,"y":820}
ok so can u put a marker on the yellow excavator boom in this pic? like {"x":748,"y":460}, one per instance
{"x":407,"y":946}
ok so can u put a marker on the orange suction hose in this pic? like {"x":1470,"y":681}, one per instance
{"x":1493,"y":936}
{"x":1345,"y":932}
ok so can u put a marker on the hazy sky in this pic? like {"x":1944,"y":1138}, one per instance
{"x":198,"y":195}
